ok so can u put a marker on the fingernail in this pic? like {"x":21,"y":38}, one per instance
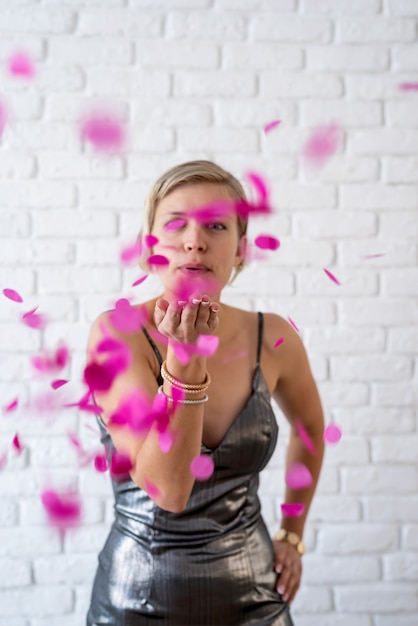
{"x":181,"y":302}
{"x":214,"y":308}
{"x":280,"y":589}
{"x":278,"y":569}
{"x":196,"y":300}
{"x":205,"y":301}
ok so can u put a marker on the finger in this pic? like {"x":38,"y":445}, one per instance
{"x":172,"y":318}
{"x":214,"y":316}
{"x":203,"y":314}
{"x":160,"y":310}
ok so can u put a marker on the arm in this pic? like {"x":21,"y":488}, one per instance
{"x":297,"y":395}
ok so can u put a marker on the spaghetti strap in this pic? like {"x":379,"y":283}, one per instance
{"x":260,"y":336}
{"x":153,"y":346}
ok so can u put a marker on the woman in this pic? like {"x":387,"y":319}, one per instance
{"x":185,"y":551}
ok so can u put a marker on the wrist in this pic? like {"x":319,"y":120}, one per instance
{"x":291,"y":538}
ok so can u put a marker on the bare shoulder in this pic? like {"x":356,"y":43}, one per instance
{"x":278,"y":333}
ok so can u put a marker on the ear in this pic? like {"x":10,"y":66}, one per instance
{"x":241,"y":250}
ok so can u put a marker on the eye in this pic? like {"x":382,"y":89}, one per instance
{"x":216,"y":226}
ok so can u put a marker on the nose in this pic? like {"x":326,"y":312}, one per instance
{"x":194,"y":240}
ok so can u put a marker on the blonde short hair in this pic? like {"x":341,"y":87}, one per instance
{"x":189,"y":173}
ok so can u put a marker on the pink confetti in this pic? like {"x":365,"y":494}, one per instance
{"x":152,"y":489}
{"x":63,"y":509}
{"x":100,"y":376}
{"x":17,"y":444}
{"x":157,"y":259}
{"x":3,"y":460}
{"x":262,"y":205}
{"x":267,"y":242}
{"x":202,"y":467}
{"x":332,"y":434}
{"x":51,"y":362}
{"x":373,"y":256}
{"x":100,"y":463}
{"x":271,"y":125}
{"x":293,"y":323}
{"x":279,"y":342}
{"x":34,"y":320}
{"x":11,"y":406}
{"x":175,"y":224}
{"x":322,"y":144}
{"x":120,"y":464}
{"x":294,"y":509}
{"x":165,"y":441}
{"x":408,"y":86}
{"x":104,"y":131}
{"x":125,"y":317}
{"x":332,"y":277}
{"x":298,"y":476}
{"x":207,"y":345}
{"x":150,"y":240}
{"x":183,"y":352}
{"x":131,"y":253}
{"x":21,"y":65}
{"x":306,"y":440}
{"x":59,"y":382}
{"x":139,"y":281}
{"x":11,"y":293}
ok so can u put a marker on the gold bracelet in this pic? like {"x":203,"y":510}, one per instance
{"x":292,"y":538}
{"x":197,"y":401}
{"x":175,"y":382}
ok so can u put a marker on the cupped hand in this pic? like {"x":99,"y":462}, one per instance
{"x":184,"y":321}
{"x":288,"y":565}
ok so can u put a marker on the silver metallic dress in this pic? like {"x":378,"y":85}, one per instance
{"x":211,"y":564}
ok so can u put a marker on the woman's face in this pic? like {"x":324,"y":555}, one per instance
{"x":202,"y":249}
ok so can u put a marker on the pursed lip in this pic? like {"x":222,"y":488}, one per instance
{"x":196,"y":267}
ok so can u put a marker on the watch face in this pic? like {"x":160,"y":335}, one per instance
{"x":293,"y":539}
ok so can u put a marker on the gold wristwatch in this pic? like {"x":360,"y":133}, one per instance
{"x":292,"y":538}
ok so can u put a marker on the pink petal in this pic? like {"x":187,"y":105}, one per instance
{"x":332,"y":277}
{"x":189,"y":287}
{"x":182,"y":352}
{"x":120,"y":465}
{"x":100,"y":376}
{"x":131,"y":253}
{"x":294,"y":509}
{"x":306,"y":440}
{"x":408,"y":86}
{"x":34,"y":320}
{"x":63,"y":509}
{"x":74,"y":440}
{"x":279,"y":342}
{"x":298,"y":476}
{"x":11,"y":406}
{"x":157,"y":259}
{"x":259,"y":184}
{"x":207,"y":345}
{"x":213,"y":211}
{"x":3,"y":460}
{"x":17,"y":445}
{"x":271,"y":125}
{"x":175,"y":224}
{"x":267,"y":242}
{"x":332,"y":434}
{"x":322,"y":144}
{"x":11,"y":293}
{"x":100,"y":463}
{"x":373,"y":256}
{"x":104,"y":131}
{"x":125,"y":317}
{"x":165,"y":441}
{"x":20,"y":64}
{"x":140,"y":280}
{"x":293,"y":323}
{"x":150,"y":240}
{"x":56,"y":384}
{"x":151,"y":488}
{"x":202,"y":467}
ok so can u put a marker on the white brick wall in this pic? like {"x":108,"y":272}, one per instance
{"x":199,"y":79}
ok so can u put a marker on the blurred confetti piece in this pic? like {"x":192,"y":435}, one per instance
{"x":294,"y":509}
{"x":207,"y":344}
{"x":120,"y":464}
{"x":165,"y":441}
{"x":34,"y":320}
{"x":17,"y":444}
{"x":140,"y":280}
{"x":131,"y":253}
{"x":104,"y":131}
{"x":267,"y":242}
{"x":372,"y":256}
{"x":332,"y":434}
{"x":279,"y":342}
{"x":202,"y":467}
{"x":12,"y":294}
{"x":298,"y":476}
{"x":293,"y":323}
{"x":50,"y":362}
{"x":63,"y":509}
{"x":56,"y":384}
{"x":151,"y":488}
{"x":3,"y":460}
{"x":322,"y":144}
{"x":11,"y":406}
{"x":100,"y":376}
{"x":100,"y":463}
{"x":271,"y":126}
{"x":332,"y":277}
{"x":21,"y":65}
{"x":182,"y":352}
{"x":158,"y":260}
{"x":306,"y":440}
{"x":150,"y":240}
{"x":408,"y":86}
{"x":175,"y":224}
{"x":125,"y":317}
